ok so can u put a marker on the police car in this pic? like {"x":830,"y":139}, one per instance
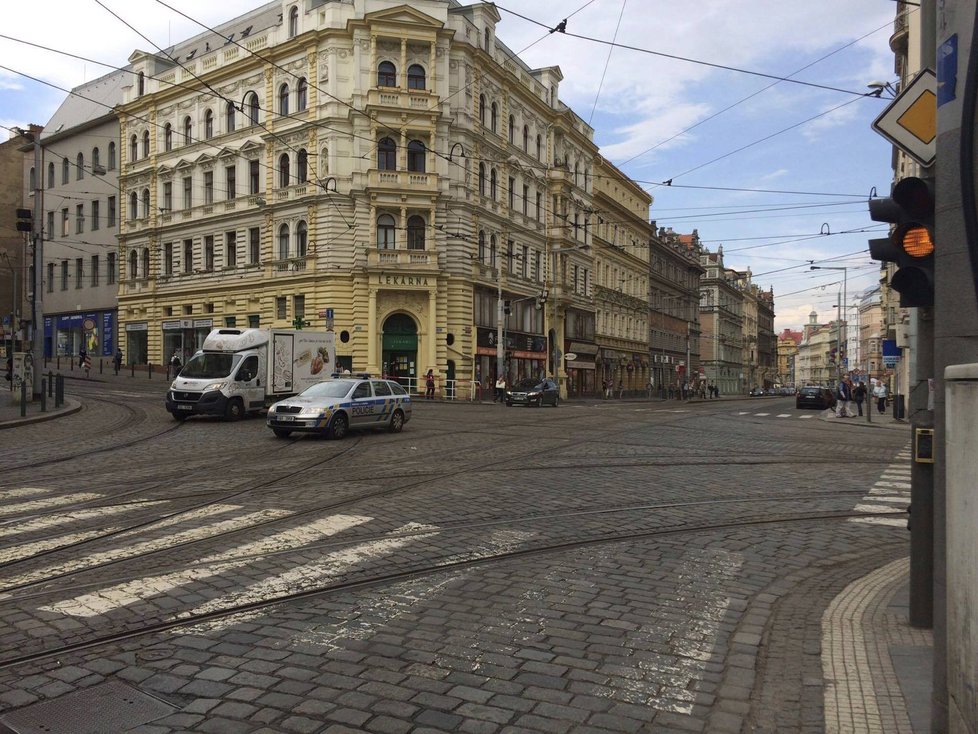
{"x":345,"y":402}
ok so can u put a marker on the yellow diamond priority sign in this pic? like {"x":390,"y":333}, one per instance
{"x":910,"y":122}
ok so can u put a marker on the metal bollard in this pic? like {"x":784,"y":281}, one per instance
{"x":149,"y":368}
{"x":100,"y":366}
{"x":132,"y":366}
{"x":23,"y":398}
{"x":44,"y":396}
{"x":57,"y":365}
{"x":59,"y":391}
{"x":50,"y":384}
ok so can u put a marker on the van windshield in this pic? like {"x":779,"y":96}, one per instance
{"x":210,"y":366}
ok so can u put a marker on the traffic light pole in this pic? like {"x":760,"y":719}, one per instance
{"x":37,"y":240}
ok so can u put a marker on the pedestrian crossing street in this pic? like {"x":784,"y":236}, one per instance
{"x":890,"y":493}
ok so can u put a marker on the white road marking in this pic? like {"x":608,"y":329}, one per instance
{"x":40,"y":524}
{"x":805,"y":417}
{"x":327,"y":568}
{"x":93,"y":559}
{"x":9,"y":494}
{"x":887,"y":498}
{"x":891,"y":521}
{"x":894,"y":485}
{"x":872,"y":508}
{"x":26,"y":550}
{"x":762,"y":415}
{"x":49,"y":502}
{"x":106,"y":599}
{"x":744,"y":412}
{"x":784,"y":415}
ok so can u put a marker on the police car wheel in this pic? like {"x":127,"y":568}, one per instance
{"x":282,"y":432}
{"x":397,"y":422}
{"x":339,"y":427}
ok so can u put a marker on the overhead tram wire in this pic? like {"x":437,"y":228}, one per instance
{"x":607,"y":61}
{"x":759,"y":91}
{"x":683,"y":58}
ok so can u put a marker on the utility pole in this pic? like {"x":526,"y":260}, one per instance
{"x":499,"y":322}
{"x":37,"y":245}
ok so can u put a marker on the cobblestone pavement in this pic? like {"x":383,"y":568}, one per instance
{"x":621,"y":566}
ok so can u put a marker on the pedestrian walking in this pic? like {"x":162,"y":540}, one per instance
{"x":841,"y":398}
{"x":860,"y":395}
{"x":87,"y":364}
{"x":117,"y":360}
{"x":429,"y":385}
{"x":82,"y":353}
{"x":500,"y":390}
{"x":175,"y":363}
{"x":621,"y":389}
{"x":880,"y":394}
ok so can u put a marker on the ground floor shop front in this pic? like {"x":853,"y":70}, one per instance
{"x":68,"y":335}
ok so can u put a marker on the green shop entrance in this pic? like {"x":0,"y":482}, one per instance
{"x":400,"y":349}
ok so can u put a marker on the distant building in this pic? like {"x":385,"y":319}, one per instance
{"x":788,"y":342}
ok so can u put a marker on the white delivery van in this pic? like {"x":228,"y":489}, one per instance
{"x":239,"y":371}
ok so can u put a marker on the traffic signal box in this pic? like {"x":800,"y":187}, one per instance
{"x":25,"y":220}
{"x":911,"y":243}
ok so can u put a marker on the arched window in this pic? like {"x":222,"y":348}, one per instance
{"x":283,"y":242}
{"x":512,"y":129}
{"x":526,"y":139}
{"x":79,"y":167}
{"x":482,"y":179}
{"x":493,"y":117}
{"x":168,"y":137}
{"x":577,"y":173}
{"x":33,"y":179}
{"x":482,"y":245}
{"x":482,"y":110}
{"x":133,"y":206}
{"x":293,"y":22}
{"x":485,"y":40}
{"x":302,"y":166}
{"x":111,"y":165}
{"x":493,"y":184}
{"x":141,"y":84}
{"x":50,"y":175}
{"x":96,"y":159}
{"x":208,"y":124}
{"x":387,"y":155}
{"x":301,"y":239}
{"x":415,"y":232}
{"x":284,"y":174}
{"x":416,"y":76}
{"x":145,"y":143}
{"x":133,"y":148}
{"x":386,"y":238}
{"x":492,"y":250}
{"x":539,"y":148}
{"x":229,"y":113}
{"x":65,"y":168}
{"x":133,"y":265}
{"x":188,"y":130}
{"x":283,"y":99}
{"x":416,"y":156}
{"x":145,"y":258}
{"x":145,"y":203}
{"x":251,"y":107}
{"x":301,"y":95}
{"x":386,"y":74}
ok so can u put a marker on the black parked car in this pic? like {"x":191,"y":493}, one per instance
{"x":533,"y":392}
{"x":813,"y":396}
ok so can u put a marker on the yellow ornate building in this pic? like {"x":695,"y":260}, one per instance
{"x":393,"y":170}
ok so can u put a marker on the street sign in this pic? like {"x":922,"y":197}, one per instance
{"x":910,"y":120}
{"x":570,"y":357}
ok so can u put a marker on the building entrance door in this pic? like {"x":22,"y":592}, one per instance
{"x":400,"y":350}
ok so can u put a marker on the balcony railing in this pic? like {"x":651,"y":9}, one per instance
{"x":425,"y":260}
{"x":413,"y":180}
{"x":414,"y":99}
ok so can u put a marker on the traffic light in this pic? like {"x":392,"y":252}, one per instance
{"x":911,"y":243}
{"x":507,"y":307}
{"x":25,"y":220}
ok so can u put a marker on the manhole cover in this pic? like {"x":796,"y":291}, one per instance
{"x":109,"y":707}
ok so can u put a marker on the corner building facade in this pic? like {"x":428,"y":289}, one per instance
{"x":389,"y":167}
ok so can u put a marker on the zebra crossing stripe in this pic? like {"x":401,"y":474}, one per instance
{"x":41,"y":524}
{"x":104,"y":600}
{"x":891,"y":521}
{"x":26,"y":550}
{"x":872,"y":508}
{"x":784,"y":415}
{"x":47,"y":503}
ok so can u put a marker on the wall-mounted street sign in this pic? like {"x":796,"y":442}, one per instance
{"x":910,"y":121}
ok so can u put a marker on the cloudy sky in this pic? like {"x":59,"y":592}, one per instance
{"x":716,"y":133}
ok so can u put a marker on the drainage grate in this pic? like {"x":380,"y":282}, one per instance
{"x":109,"y":707}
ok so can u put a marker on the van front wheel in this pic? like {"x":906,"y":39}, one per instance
{"x":234,"y":410}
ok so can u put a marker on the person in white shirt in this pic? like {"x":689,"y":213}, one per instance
{"x":879,"y":392}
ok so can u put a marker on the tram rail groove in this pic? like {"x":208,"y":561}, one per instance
{"x":400,"y":576}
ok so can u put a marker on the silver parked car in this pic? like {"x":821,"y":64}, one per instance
{"x":334,"y":407}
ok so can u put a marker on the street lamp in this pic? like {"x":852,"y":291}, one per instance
{"x":840,"y":328}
